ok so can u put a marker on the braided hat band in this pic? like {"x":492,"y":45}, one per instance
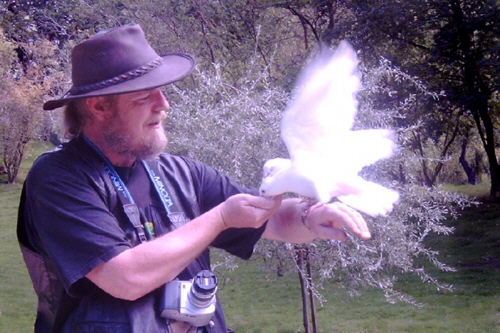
{"x":117,"y":79}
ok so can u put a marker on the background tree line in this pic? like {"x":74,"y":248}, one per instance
{"x":430,"y":71}
{"x":450,"y":46}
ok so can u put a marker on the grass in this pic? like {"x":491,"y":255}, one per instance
{"x":17,"y":298}
{"x":480,"y":191}
{"x":255,"y":304}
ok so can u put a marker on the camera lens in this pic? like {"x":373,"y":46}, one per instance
{"x":203,"y":288}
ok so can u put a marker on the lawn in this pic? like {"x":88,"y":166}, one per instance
{"x":255,"y":304}
{"x":17,"y":298}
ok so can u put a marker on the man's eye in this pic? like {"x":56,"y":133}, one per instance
{"x":142,"y":100}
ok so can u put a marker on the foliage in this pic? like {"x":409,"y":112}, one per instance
{"x":21,"y":93}
{"x":437,"y":82}
{"x":426,"y":39}
{"x":232,"y":128}
{"x":453,"y":47}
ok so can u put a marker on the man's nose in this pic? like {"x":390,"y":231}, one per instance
{"x":161,"y":103}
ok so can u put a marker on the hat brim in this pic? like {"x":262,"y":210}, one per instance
{"x":175,"y":67}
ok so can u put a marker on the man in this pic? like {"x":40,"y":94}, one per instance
{"x":106,"y":220}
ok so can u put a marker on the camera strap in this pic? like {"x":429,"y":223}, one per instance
{"x":129,"y":207}
{"x":175,"y":216}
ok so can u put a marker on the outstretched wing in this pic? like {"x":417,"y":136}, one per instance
{"x":324,"y":105}
{"x":326,"y":154}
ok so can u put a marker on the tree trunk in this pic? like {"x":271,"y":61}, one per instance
{"x":299,"y":253}
{"x":483,"y":121}
{"x":312,"y":300}
{"x":471,"y":172}
{"x":309,"y":311}
{"x":478,"y":94}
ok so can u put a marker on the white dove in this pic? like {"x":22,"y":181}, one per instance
{"x":326,"y":155}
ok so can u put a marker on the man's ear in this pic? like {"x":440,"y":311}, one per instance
{"x":100,"y":107}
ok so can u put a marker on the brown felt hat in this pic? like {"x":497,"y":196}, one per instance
{"x":118,"y":61}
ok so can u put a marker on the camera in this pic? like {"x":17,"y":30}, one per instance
{"x":191,"y":301}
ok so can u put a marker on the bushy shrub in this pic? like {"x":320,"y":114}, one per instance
{"x":235,"y":128}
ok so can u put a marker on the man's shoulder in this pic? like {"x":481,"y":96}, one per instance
{"x":177,"y":161}
{"x":185,"y":169}
{"x":63,"y":161}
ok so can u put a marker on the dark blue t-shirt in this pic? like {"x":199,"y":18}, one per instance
{"x":71,"y":220}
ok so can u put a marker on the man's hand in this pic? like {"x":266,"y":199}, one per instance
{"x":248,"y":211}
{"x":327,"y":221}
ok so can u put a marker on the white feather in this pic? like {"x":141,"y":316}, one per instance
{"x":326,"y":155}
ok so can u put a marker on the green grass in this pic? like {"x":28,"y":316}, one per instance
{"x":17,"y":298}
{"x":480,"y":191}
{"x":254,"y":304}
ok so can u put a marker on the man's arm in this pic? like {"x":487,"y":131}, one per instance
{"x":142,"y":269}
{"x":297,"y":221}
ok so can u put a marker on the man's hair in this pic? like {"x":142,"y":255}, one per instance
{"x":77,"y":114}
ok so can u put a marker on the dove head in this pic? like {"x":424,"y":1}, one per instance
{"x":271,"y":184}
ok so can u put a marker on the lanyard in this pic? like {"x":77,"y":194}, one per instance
{"x":159,"y":186}
{"x":129,"y":206}
{"x":174,"y":215}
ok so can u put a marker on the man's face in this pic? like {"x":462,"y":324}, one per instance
{"x":135,"y":128}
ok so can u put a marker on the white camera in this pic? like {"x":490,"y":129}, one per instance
{"x":191,"y":301}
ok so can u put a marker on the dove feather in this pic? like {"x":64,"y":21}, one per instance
{"x":326,"y":155}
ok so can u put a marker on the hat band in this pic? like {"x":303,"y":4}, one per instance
{"x":117,"y":79}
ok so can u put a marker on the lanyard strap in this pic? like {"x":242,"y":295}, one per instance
{"x":159,"y":186}
{"x":129,"y":206}
{"x":110,"y":170}
{"x":175,"y":216}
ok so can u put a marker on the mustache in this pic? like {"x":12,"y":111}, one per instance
{"x":157,"y":119}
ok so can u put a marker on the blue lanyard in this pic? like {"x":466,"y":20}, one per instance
{"x":110,"y":170}
{"x":160,"y":187}
{"x":176,"y":217}
{"x":126,"y":198}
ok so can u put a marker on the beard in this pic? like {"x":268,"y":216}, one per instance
{"x":118,"y":138}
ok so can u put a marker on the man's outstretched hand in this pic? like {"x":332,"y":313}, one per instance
{"x":248,"y":211}
{"x":329,"y":221}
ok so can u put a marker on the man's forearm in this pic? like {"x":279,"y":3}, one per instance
{"x":142,"y":269}
{"x":286,"y":225}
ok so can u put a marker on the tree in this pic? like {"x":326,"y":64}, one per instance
{"x":451,"y":46}
{"x":19,"y":124}
{"x":467,"y":46}
{"x":249,"y":54}
{"x":236,"y":129}
{"x":22,"y":89}
{"x":232,"y":128}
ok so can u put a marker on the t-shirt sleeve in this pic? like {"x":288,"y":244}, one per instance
{"x":72,"y":224}
{"x":213,"y":188}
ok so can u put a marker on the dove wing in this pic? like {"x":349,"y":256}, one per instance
{"x":326,"y":155}
{"x":323,"y":107}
